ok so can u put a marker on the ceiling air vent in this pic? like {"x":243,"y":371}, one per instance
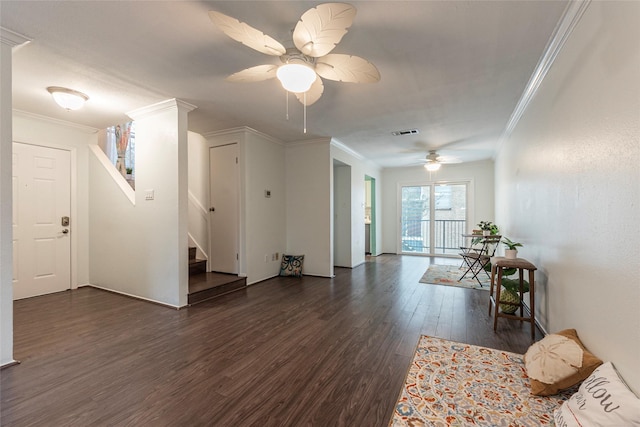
{"x":405,"y":132}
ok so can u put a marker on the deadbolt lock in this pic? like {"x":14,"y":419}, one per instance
{"x":65,"y":221}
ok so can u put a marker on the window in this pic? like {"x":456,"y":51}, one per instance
{"x":120,"y":147}
{"x":433,"y":218}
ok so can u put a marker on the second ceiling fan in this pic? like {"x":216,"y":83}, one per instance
{"x":319,"y":30}
{"x":434,"y":161}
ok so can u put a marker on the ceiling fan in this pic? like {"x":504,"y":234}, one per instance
{"x":434,"y":161}
{"x":304,"y":66}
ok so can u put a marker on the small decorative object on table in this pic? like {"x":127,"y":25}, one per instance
{"x":488,"y":228}
{"x":511,"y":252}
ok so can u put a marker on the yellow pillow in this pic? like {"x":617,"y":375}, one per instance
{"x":557,"y":362}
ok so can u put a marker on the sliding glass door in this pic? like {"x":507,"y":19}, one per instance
{"x":433,"y":218}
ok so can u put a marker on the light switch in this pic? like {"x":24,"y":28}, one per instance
{"x":149,"y":195}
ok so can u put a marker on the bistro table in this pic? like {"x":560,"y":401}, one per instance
{"x":476,"y":258}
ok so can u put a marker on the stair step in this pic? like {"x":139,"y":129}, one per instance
{"x":201,"y":290}
{"x":197,"y":266}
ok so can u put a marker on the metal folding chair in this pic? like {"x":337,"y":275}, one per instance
{"x":477,"y":259}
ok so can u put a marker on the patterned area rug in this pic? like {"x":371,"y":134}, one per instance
{"x":454,"y":384}
{"x":449,"y":275}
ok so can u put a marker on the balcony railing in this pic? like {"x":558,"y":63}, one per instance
{"x":447,"y":233}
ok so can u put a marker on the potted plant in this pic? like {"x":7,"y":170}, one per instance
{"x":488,"y":228}
{"x":511,"y":252}
{"x":510,"y":292}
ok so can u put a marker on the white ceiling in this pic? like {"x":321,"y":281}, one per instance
{"x":455,"y":70}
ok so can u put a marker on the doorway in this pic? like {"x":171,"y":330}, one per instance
{"x":370,"y":215}
{"x":223,"y":210}
{"x":433,"y":218}
{"x":341,"y":214}
{"x":41,"y":220}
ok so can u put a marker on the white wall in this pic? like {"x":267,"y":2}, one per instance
{"x":266,"y":217}
{"x":481,"y":193}
{"x":309,"y":183}
{"x":567,"y":186}
{"x":360,"y":168}
{"x":141,"y":249}
{"x":6,"y":207}
{"x":262,"y":219}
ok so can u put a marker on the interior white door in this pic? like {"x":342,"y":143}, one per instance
{"x":224,"y":211}
{"x":41,"y":198}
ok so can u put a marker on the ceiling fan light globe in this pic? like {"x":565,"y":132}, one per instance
{"x":296,"y":78}
{"x":432,"y":167}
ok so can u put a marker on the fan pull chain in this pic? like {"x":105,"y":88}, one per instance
{"x":304,"y":125}
{"x":286,"y":94}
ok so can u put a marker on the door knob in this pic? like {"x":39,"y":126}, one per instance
{"x":65,"y":231}
{"x":212,"y":209}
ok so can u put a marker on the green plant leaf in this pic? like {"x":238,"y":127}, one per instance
{"x":510,"y":243}
{"x":513,"y":285}
{"x":505,"y":271}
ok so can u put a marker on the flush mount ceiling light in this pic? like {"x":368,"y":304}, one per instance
{"x":68,"y":99}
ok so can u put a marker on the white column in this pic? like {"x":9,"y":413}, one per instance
{"x":161,"y":159}
{"x":8,"y":39}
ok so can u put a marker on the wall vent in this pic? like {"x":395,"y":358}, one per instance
{"x":405,"y":132}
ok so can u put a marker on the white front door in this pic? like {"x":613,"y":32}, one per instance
{"x":223,"y":212}
{"x":41,"y":199}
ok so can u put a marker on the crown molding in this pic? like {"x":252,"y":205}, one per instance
{"x":230,"y":131}
{"x":243,"y":129}
{"x":347,"y":150}
{"x":58,"y":122}
{"x":309,"y":142}
{"x":11,"y":38}
{"x":161,"y":106}
{"x":340,"y":145}
{"x":569,"y":20}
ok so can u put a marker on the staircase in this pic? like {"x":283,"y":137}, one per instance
{"x":196,"y":266}
{"x":205,"y":285}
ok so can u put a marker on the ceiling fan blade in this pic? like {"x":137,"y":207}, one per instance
{"x":246,"y":34}
{"x":254,"y":74}
{"x":321,"y":28}
{"x":448,"y":160}
{"x":313,"y":94}
{"x":347,"y":68}
{"x":434,"y":157}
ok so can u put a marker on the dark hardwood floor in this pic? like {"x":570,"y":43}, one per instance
{"x":285,"y":352}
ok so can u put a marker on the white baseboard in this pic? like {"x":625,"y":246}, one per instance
{"x":177,"y":307}
{"x":10,"y":363}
